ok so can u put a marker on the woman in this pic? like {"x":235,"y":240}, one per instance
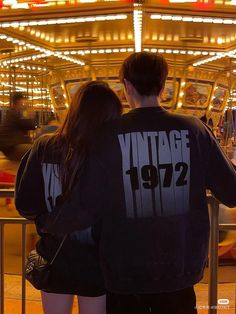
{"x":47,"y":173}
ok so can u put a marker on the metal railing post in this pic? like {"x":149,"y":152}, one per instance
{"x":23,"y":268}
{"x":13,"y":221}
{"x":213,"y":256}
{"x":2,"y":268}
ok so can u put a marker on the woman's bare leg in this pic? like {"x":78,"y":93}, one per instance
{"x":92,"y":305}
{"x":54,"y":303}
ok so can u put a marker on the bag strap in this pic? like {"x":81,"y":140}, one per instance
{"x":58,"y":250}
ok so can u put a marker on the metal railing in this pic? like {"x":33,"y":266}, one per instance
{"x":9,"y":221}
{"x":7,"y":192}
{"x":213,"y":252}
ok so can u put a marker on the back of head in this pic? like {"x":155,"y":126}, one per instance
{"x":146,"y":71}
{"x":16,"y":99}
{"x":93,"y":104}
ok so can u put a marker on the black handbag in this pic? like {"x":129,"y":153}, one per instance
{"x":37,"y":269}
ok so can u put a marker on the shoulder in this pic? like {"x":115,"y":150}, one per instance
{"x":44,"y":146}
{"x":41,"y":142}
{"x":188,"y":121}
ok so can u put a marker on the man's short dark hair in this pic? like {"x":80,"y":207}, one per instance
{"x":15,"y":97}
{"x":146,"y":71}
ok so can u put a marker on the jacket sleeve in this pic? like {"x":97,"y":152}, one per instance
{"x":221,"y":175}
{"x":85,"y":205}
{"x":29,"y":188}
{"x":26,"y":124}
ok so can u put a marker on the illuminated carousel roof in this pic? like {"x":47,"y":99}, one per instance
{"x":77,"y":32}
{"x":38,"y":37}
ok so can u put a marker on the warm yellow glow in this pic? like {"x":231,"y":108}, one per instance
{"x":219,"y":55}
{"x":70,"y":20}
{"x":130,"y":36}
{"x":137,"y":22}
{"x":122,"y":36}
{"x":101,"y":36}
{"x":195,"y":19}
{"x":9,"y":2}
{"x":58,"y":39}
{"x":38,"y":49}
{"x":24,"y":5}
{"x":72,"y":39}
{"x":87,"y":1}
{"x":115,"y":36}
{"x":181,"y":1}
{"x":154,"y":36}
{"x":176,"y":37}
{"x":108,"y":36}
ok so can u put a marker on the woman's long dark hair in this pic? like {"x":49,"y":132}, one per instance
{"x":92,"y":105}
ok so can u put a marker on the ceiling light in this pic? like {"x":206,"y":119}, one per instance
{"x":37,"y":48}
{"x":195,"y":19}
{"x":137,"y":22}
{"x":65,"y":20}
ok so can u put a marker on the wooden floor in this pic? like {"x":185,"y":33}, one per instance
{"x":33,"y":304}
{"x":13,"y":297}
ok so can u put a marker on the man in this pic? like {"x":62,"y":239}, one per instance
{"x":146,"y":178}
{"x":14,"y":137}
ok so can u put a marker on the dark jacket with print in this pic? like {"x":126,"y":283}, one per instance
{"x":146,"y":177}
{"x":76,"y":269}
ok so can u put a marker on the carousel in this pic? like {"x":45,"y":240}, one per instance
{"x":49,"y":48}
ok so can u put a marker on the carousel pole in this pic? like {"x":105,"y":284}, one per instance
{"x":41,"y":96}
{"x":3,"y":93}
{"x":9,"y":81}
{"x":228,"y":113}
{"x":14,"y":79}
{"x":231,"y":104}
{"x":32,"y":94}
{"x":174,"y":82}
{"x":27,"y":86}
{"x":46,"y":90}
